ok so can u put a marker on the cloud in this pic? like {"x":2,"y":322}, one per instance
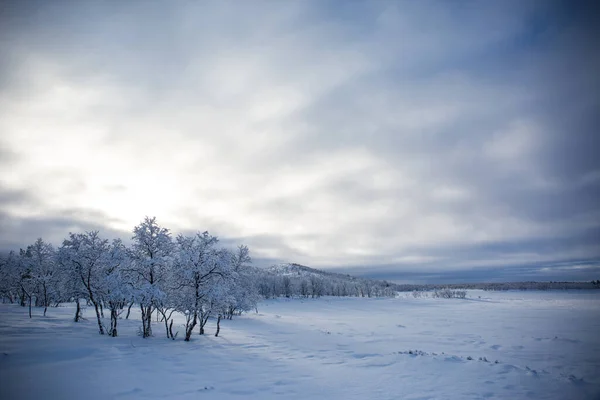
{"x":19,"y":232}
{"x":407,"y":135}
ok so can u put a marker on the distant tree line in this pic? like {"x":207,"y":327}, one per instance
{"x":529,"y":285}
{"x":315,"y":285}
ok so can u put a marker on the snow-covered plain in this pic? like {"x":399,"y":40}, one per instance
{"x":547,"y":345}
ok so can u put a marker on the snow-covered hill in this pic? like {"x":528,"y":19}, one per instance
{"x":298,"y":280}
{"x":292,"y":269}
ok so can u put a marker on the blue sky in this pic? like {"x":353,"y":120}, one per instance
{"x":430,"y":139}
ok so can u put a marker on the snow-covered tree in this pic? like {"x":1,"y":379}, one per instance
{"x":40,"y":260}
{"x":25,"y":278}
{"x":199,"y":267}
{"x":243,"y":288}
{"x":151,"y":257}
{"x":287,"y":286}
{"x":304,"y":288}
{"x":220,"y":301}
{"x":116,"y":289}
{"x":83,"y":254}
{"x":9,"y":277}
{"x":316,"y":286}
{"x":71,"y":285}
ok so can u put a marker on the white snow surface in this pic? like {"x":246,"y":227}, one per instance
{"x":547,"y":345}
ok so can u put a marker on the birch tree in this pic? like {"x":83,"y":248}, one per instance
{"x":116,"y":288}
{"x":82,"y":254}
{"x":42,"y":267}
{"x":151,"y":256}
{"x":198,"y":268}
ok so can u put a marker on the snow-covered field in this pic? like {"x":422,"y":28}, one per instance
{"x":547,"y":346}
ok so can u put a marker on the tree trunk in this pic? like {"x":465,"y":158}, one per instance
{"x":149,"y":324}
{"x":113,"y":322}
{"x":45,"y":299}
{"x":166,"y":321}
{"x":190,"y":325}
{"x":129,"y":310}
{"x":100,"y":327}
{"x":146,"y":321}
{"x":77,"y":311}
{"x":218,"y":325}
{"x":101,"y":309}
{"x":203,"y":320}
{"x":171,"y":330}
{"x":95,"y":303}
{"x":29,"y":306}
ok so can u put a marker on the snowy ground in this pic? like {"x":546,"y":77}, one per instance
{"x":546,"y":343}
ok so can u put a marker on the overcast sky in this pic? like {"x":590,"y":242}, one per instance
{"x":452,"y":138}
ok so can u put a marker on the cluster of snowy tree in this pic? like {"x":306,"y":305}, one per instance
{"x":190,"y":275}
{"x":293,"y":280}
{"x":446,"y":293}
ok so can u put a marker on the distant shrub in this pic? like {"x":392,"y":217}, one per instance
{"x":450,"y":294}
